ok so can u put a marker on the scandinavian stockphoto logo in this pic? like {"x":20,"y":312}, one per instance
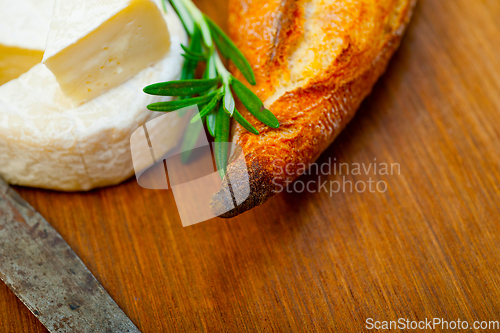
{"x":173,"y":152}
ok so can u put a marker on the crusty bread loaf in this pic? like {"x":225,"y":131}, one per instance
{"x":315,"y":61}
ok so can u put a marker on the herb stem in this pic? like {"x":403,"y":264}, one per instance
{"x":184,"y":15}
{"x":199,"y":19}
{"x":223,"y":72}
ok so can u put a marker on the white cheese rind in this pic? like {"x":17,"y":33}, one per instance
{"x":25,"y":23}
{"x":96,"y":45}
{"x":46,"y":143}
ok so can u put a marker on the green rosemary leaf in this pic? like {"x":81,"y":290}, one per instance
{"x":254,"y":104}
{"x":211,"y":69}
{"x":243,"y":122}
{"x":190,"y":57}
{"x":164,"y":5}
{"x":189,"y":67}
{"x":191,"y":136}
{"x":180,"y":104}
{"x":207,"y":108}
{"x":221,"y":138}
{"x":211,"y":121}
{"x":194,"y":54}
{"x":229,"y":104}
{"x":195,"y":44}
{"x":184,"y":15}
{"x":187,"y":73}
{"x":181,"y":88}
{"x":226,"y":46}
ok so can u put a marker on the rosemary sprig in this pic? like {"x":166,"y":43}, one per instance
{"x":214,"y":92}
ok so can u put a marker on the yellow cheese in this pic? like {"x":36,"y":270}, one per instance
{"x":96,"y":45}
{"x":46,"y":141}
{"x":24,"y":25}
{"x":15,"y":61}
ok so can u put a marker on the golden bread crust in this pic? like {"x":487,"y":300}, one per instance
{"x":315,"y":61}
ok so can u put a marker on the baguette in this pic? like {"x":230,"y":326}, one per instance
{"x":315,"y":61}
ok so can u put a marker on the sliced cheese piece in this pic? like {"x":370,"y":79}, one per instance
{"x":46,"y":142}
{"x":96,"y":45}
{"x":24,"y":25}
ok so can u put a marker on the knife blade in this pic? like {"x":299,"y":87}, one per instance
{"x":48,"y":277}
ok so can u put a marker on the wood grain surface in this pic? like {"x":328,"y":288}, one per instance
{"x":427,"y":247}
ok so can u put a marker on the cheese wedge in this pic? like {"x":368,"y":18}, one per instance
{"x":24,"y":25}
{"x":96,"y":45}
{"x":46,"y":142}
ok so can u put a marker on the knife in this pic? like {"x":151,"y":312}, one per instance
{"x":48,"y":277}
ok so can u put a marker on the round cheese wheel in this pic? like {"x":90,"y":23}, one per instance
{"x":47,"y":142}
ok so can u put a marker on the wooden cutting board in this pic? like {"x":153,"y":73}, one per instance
{"x":427,"y":247}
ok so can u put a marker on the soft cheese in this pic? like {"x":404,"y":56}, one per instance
{"x":96,"y":45}
{"x":46,"y":142}
{"x":24,"y":25}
